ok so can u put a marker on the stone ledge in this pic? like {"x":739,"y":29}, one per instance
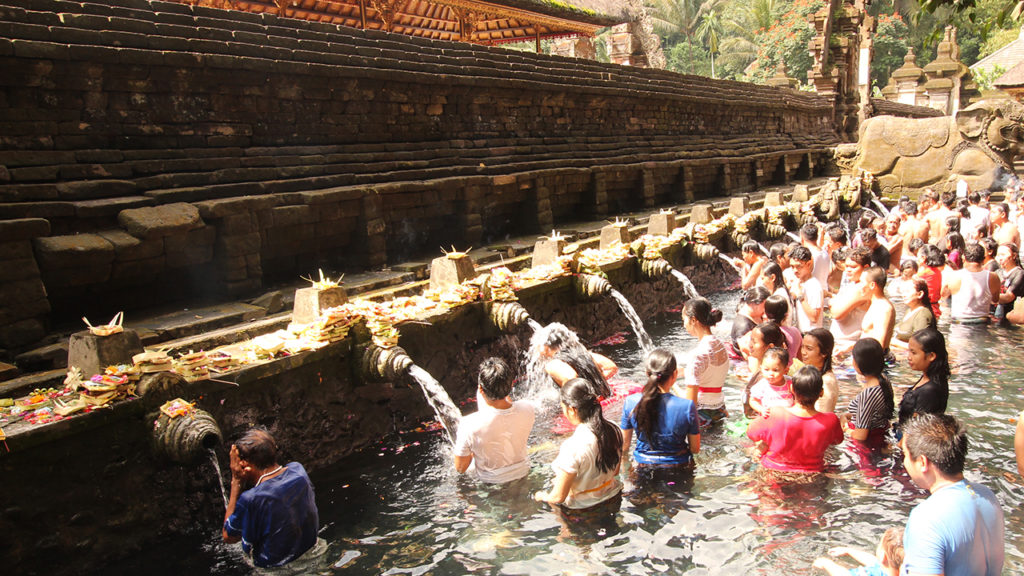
{"x":23,"y":229}
{"x":160,"y":221}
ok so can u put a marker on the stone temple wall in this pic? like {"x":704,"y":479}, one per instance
{"x":154,"y":151}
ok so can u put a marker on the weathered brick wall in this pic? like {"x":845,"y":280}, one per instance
{"x":302,"y":145}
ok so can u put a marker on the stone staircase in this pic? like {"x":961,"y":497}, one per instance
{"x":154,"y":151}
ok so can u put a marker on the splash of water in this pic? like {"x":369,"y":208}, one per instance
{"x":634,"y":321}
{"x":220,"y":476}
{"x":880,"y":206}
{"x":688,"y":288}
{"x":866,"y":209}
{"x":447,"y":413}
{"x":732,"y":263}
{"x":793,"y":236}
{"x":533,"y":324}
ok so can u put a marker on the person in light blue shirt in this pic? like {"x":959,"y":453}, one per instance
{"x":959,"y":529}
{"x":667,"y":428}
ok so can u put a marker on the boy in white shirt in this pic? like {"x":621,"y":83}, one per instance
{"x":808,"y":295}
{"x":491,"y":442}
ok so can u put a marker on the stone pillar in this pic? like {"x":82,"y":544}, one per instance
{"x":470,"y":213}
{"x":376,"y":230}
{"x":578,"y":47}
{"x":624,"y":47}
{"x":542,"y":193}
{"x":598,"y":194}
{"x":889,"y":92}
{"x":240,"y":238}
{"x":908,"y":79}
{"x":781,"y":78}
{"x":24,"y":307}
{"x":647,"y":188}
{"x":949,"y":84}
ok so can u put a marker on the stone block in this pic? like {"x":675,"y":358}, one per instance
{"x":239,"y":245}
{"x":55,"y":252}
{"x":195,"y":247}
{"x":159,"y":221}
{"x":772,"y":199}
{"x":310,"y":302}
{"x":293,"y":215}
{"x":7,"y":371}
{"x":701,"y":214}
{"x":23,"y":229}
{"x":613,"y":234}
{"x":800,"y":193}
{"x":661,"y":224}
{"x":92,"y":353}
{"x":45,"y":358}
{"x":137,"y":272}
{"x":128,"y":247}
{"x":738,"y":206}
{"x":91,"y":189}
{"x":272,"y":302}
{"x":21,"y":269}
{"x":233,"y":206}
{"x":446,"y":271}
{"x":109,"y":206}
{"x":22,"y":332}
{"x":245,"y":223}
{"x":16,"y":250}
{"x":547,"y":251}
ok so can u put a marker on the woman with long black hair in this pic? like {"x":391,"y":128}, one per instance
{"x":667,"y":427}
{"x":587,"y":466}
{"x":926,"y":353}
{"x":872,"y":409}
{"x":557,"y":355}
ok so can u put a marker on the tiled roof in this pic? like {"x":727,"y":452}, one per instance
{"x":1008,"y":56}
{"x":1012,"y":78}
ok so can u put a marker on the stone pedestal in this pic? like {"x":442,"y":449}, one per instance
{"x":310,"y":302}
{"x":447,"y":271}
{"x":92,"y":354}
{"x":737,"y":206}
{"x":661,"y":224}
{"x":614,"y":234}
{"x":800,"y":193}
{"x":701,"y":214}
{"x":547,"y":251}
{"x":772,"y":199}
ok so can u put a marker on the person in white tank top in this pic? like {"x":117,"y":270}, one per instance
{"x":973,"y":290}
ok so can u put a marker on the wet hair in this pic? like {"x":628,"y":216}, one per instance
{"x":910,"y":207}
{"x":777,"y":250}
{"x":774,"y":270}
{"x":921,"y":285}
{"x":578,"y":395}
{"x":932,"y":341}
{"x":257,"y":447}
{"x":839,"y":256}
{"x":864,"y":222}
{"x":771,"y":334}
{"x":909,"y":265}
{"x":861,"y":255}
{"x":952,"y":223}
{"x":809,"y":232}
{"x":777,"y":353}
{"x":939,"y":437}
{"x":869,"y":358}
{"x":661,"y":364}
{"x":954,"y":241}
{"x":892,"y":543}
{"x":914,"y":245}
{"x":974,"y":197}
{"x":837,"y":233}
{"x":948,"y":199}
{"x":974,"y":252}
{"x":569,"y":349}
{"x":755,"y":295}
{"x":701,"y":310}
{"x":807,"y":386}
{"x":990,"y":245}
{"x":776,"y":308}
{"x":933,"y":257}
{"x":752,"y":246}
{"x":869,"y":235}
{"x":826,"y":343}
{"x":800,"y":254}
{"x":875,"y":274}
{"x":494,"y":378}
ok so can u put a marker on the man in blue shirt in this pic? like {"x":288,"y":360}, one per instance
{"x":958,"y":530}
{"x":275,"y":518}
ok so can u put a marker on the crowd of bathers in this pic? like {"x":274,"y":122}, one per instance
{"x":803,"y":306}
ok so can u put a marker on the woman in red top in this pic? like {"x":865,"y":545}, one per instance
{"x":930,"y":261}
{"x":794,"y":438}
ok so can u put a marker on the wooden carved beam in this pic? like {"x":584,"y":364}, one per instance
{"x":468,"y":21}
{"x":386,"y":11}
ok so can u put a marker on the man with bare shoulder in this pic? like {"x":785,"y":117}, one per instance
{"x":1003,"y":230}
{"x":973,"y":290}
{"x":914,"y":226}
{"x":851,"y":303}
{"x":880,"y":319}
{"x":937,"y":217}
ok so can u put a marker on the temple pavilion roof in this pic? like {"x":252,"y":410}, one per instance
{"x":492,"y":22}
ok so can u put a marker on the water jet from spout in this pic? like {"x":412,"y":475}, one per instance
{"x":220,"y":475}
{"x":732,"y":264}
{"x":793,"y":236}
{"x":688,"y":288}
{"x":646,"y":344}
{"x":447,"y":413}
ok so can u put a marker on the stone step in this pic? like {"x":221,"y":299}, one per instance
{"x":190,"y":321}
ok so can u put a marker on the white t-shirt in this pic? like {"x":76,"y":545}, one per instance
{"x":822,"y":265}
{"x":497,"y":441}
{"x":814,"y":295}
{"x":578,"y":455}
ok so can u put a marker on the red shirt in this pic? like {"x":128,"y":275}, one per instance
{"x":933,"y":277}
{"x":796,"y":443}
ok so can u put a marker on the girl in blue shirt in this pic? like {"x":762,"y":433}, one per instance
{"x":667,"y":429}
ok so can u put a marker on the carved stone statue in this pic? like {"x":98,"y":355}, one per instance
{"x":979,"y":145}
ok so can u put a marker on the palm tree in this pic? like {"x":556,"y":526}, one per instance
{"x":710,"y":32}
{"x":741,"y":25}
{"x":681,"y":17}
